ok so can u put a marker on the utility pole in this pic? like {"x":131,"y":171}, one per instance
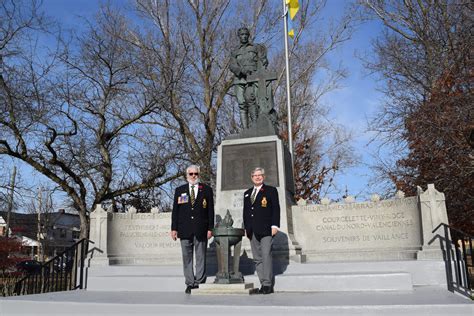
{"x":40,"y":205}
{"x":10,"y":200}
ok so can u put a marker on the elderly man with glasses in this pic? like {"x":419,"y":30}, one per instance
{"x":261,"y":217}
{"x":192,"y":222}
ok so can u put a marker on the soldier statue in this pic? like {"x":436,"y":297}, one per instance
{"x":252,"y":82}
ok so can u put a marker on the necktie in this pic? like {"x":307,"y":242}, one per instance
{"x":254,"y":194}
{"x":193,"y":199}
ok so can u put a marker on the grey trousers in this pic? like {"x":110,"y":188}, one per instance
{"x":262,"y":255}
{"x":188,"y":247}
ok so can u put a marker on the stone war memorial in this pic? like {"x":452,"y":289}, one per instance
{"x":377,"y":245}
{"x":177,"y":74}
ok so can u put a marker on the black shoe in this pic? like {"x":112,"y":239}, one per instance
{"x":260,"y":290}
{"x":267,"y":290}
{"x":195,"y":286}
{"x":188,"y":289}
{"x":255,"y":291}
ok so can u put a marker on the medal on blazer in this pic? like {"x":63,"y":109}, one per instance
{"x":183,"y":198}
{"x":264,"y":202}
{"x":204,"y":203}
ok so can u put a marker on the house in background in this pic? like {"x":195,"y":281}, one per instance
{"x":55,"y":232}
{"x":3,"y":227}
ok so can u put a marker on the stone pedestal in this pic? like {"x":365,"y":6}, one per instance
{"x":98,"y":235}
{"x":225,"y":238}
{"x":433,"y":212}
{"x":236,"y":159}
{"x":224,"y":289}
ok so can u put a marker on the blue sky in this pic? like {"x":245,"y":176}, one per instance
{"x":351,"y":105}
{"x":356,"y":102}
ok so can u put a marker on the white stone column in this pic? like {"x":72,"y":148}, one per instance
{"x":433,"y":212}
{"x":98,"y":235}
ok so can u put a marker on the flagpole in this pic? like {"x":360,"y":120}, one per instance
{"x":288,"y":91}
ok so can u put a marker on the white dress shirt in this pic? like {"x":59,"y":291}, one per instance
{"x":196,"y":188}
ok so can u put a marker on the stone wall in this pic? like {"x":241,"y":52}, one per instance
{"x":133,"y":238}
{"x":390,"y":229}
{"x":398,"y":228}
{"x":142,"y":238}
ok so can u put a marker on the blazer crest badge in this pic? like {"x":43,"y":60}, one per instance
{"x":264,"y":202}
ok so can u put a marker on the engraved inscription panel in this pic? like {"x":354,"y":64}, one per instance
{"x":141,"y":234}
{"x":239,"y":160}
{"x":385,"y":224}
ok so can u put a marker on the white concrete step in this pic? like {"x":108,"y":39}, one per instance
{"x":158,"y":270}
{"x":342,"y":282}
{"x":422,"y":301}
{"x":423,"y":272}
{"x":334,"y":276}
{"x":283,"y":283}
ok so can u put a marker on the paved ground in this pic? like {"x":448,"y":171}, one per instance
{"x":422,"y":301}
{"x":419,"y":296}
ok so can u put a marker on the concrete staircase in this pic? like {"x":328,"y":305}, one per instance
{"x":297,"y":277}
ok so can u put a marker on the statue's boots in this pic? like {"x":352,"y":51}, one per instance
{"x":244,"y":119}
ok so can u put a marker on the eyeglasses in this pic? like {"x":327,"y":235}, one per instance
{"x":193,"y":173}
{"x":257,"y":175}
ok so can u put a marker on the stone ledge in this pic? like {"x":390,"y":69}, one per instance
{"x":224,"y":289}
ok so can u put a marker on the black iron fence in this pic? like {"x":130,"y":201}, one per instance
{"x":62,"y":273}
{"x":457,"y":252}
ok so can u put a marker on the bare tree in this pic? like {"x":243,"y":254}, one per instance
{"x":4,"y":189}
{"x":424,"y":57}
{"x":14,"y":189}
{"x":74,"y":115}
{"x":42,"y":207}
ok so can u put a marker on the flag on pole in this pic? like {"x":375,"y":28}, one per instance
{"x":293,"y":6}
{"x":290,"y":8}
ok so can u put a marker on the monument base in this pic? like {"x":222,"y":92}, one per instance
{"x":263,"y":127}
{"x":229,"y":278}
{"x":224,"y":289}
{"x":236,"y":159}
{"x":430,"y":253}
{"x":400,"y":275}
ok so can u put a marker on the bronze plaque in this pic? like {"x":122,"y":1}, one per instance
{"x":239,"y":160}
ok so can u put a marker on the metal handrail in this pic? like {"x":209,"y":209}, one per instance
{"x":64,"y":272}
{"x":458,"y":259}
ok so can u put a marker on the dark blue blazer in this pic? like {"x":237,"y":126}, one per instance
{"x":264,"y":213}
{"x":194,"y":220}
